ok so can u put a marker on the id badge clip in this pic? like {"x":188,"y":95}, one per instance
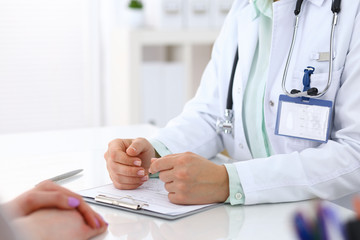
{"x":305,"y":118}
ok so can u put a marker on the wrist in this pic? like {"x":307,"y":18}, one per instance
{"x":26,"y":228}
{"x":11,"y":209}
{"x":223,"y":184}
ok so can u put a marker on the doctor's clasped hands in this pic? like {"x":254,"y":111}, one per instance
{"x":189,"y":178}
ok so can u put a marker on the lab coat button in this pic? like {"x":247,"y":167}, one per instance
{"x":272,"y":103}
{"x":238,"y":196}
{"x":241,"y":146}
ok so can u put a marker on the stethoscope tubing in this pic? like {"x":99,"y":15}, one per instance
{"x":286,"y":70}
{"x":229,"y":101}
{"x":335,"y":9}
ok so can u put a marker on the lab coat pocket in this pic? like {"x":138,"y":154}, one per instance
{"x":298,"y":144}
{"x":319,"y":81}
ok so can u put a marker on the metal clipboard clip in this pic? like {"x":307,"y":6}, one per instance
{"x":126,"y":201}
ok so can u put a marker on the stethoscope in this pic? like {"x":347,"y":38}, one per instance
{"x":226,"y":125}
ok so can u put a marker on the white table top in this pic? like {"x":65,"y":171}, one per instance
{"x":29,"y":158}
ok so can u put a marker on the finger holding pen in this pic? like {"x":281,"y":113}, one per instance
{"x":192,"y":179}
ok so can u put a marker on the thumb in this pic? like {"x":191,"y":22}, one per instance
{"x":137,"y":147}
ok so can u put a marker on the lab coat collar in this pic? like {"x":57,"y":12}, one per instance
{"x":248,"y":26}
{"x":315,"y":2}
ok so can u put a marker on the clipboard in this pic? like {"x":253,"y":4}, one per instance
{"x":155,"y":204}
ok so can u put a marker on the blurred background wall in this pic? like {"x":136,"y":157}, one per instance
{"x":86,"y":63}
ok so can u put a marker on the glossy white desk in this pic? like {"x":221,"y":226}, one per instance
{"x":29,"y":158}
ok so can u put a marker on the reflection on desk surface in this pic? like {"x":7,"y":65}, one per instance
{"x":223,"y":222}
{"x":257,"y":222}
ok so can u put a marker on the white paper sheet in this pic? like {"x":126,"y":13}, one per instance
{"x":152,"y":192}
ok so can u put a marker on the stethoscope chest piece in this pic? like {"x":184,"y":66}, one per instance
{"x":226,"y":125}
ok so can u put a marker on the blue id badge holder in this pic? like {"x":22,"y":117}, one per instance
{"x":304,"y":118}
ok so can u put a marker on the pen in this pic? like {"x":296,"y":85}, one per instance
{"x":302,"y":227}
{"x":333,"y":224}
{"x":321,"y":227}
{"x":65,"y":175}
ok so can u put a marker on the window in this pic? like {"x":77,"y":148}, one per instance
{"x":49,"y":71}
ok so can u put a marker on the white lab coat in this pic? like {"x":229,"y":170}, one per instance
{"x":299,"y":169}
